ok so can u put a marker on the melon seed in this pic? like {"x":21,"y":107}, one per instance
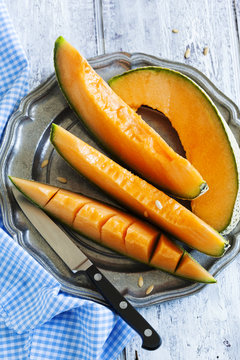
{"x":205,"y":50}
{"x":140,"y":281}
{"x":187,"y":53}
{"x":149,"y":289}
{"x":175,"y":31}
{"x":145,"y":213}
{"x":44,"y":163}
{"x":158,"y":204}
{"x":61,"y":179}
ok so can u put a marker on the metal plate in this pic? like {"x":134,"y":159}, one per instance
{"x":26,"y":144}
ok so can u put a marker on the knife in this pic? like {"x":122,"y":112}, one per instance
{"x":76,"y":260}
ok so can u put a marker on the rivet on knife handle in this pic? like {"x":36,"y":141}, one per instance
{"x":151,"y":339}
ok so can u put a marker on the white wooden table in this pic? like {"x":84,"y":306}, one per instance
{"x":206,"y":325}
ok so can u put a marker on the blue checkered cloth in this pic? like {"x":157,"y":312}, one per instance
{"x":37,"y":319}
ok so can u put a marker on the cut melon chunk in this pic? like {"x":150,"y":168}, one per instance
{"x":137,"y":194}
{"x":189,"y":268}
{"x":65,"y":207}
{"x":123,"y":132}
{"x":43,"y":193}
{"x":113,"y":232}
{"x":140,"y":240}
{"x":167,"y":253}
{"x":207,"y":140}
{"x":90,"y":219}
{"x":95,"y":219}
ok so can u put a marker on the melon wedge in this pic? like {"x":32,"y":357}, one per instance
{"x":136,"y":194}
{"x":123,"y":132}
{"x":208,"y":142}
{"x":110,"y":227}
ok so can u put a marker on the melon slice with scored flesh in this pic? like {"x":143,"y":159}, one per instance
{"x":123,"y":132}
{"x":136,"y":194}
{"x":206,"y":138}
{"x":135,"y":238}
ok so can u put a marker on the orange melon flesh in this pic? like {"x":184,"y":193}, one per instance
{"x":120,"y":129}
{"x":90,"y":219}
{"x":204,"y":135}
{"x":65,"y":205}
{"x":167,"y":254}
{"x":113,"y":232}
{"x":189,"y":268}
{"x":121,"y":228}
{"x":40,"y":194}
{"x":137,"y":194}
{"x":140,"y":240}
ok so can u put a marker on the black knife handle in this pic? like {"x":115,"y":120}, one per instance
{"x":151,"y":339}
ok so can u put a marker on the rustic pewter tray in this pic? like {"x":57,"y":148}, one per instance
{"x":26,"y":144}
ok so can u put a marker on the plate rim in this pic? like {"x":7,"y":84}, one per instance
{"x":40,"y":91}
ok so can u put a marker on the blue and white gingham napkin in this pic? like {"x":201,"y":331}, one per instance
{"x":38,"y":320}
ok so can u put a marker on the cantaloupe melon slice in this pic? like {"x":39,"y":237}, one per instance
{"x":123,"y":132}
{"x":135,"y":238}
{"x":207,"y":140}
{"x":136,"y":194}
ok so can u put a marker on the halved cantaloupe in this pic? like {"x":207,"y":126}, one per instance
{"x":123,"y":132}
{"x":208,"y":142}
{"x":137,"y":194}
{"x":93,"y":219}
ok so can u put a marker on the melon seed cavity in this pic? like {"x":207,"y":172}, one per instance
{"x":62,"y":179}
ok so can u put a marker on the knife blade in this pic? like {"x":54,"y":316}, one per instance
{"x":76,"y":260}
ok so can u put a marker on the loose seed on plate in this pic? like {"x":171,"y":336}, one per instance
{"x":149,"y":289}
{"x":140,"y":281}
{"x":205,"y":50}
{"x":62,"y":179}
{"x":187,"y":53}
{"x":44,"y":163}
{"x":175,"y":31}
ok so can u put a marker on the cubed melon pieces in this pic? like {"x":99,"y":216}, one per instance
{"x":115,"y":229}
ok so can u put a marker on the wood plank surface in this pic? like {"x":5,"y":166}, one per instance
{"x":205,"y":325}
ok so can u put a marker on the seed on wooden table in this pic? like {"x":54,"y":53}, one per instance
{"x":140,"y":281}
{"x":175,"y":31}
{"x":187,"y":53}
{"x":149,"y":289}
{"x":205,"y":50}
{"x":61,"y":179}
{"x":44,"y":163}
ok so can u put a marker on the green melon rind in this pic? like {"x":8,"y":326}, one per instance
{"x":203,"y":187}
{"x":235,"y":215}
{"x":207,"y":281}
